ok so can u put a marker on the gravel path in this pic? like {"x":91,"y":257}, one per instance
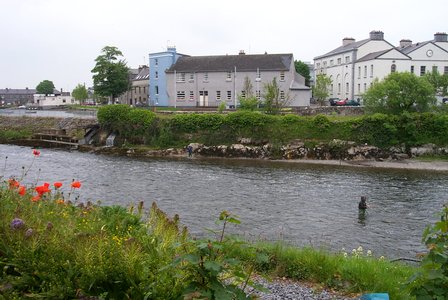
{"x":283,"y":289}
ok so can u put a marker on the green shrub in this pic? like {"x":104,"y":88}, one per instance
{"x":250,"y":103}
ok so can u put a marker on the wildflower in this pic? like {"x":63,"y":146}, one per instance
{"x":36,"y":152}
{"x":345,"y":255}
{"x":13,"y":183}
{"x":41,"y":189}
{"x":36,"y":198}
{"x":29,"y":232}
{"x":57,"y":184}
{"x":76,"y":184}
{"x":22,"y":190}
{"x":17,"y":223}
{"x":382,"y":258}
{"x":60,"y":201}
{"x":369,"y":252}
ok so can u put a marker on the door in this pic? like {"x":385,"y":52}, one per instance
{"x":203,"y":98}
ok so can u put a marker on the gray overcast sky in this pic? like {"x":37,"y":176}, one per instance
{"x":59,"y":40}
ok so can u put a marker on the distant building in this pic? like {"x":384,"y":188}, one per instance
{"x":354,"y":66}
{"x":139,"y":92}
{"x":212,"y":80}
{"x":51,"y":101}
{"x":158,"y":63}
{"x":16,"y":97}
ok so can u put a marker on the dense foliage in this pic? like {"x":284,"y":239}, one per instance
{"x":80,"y":93}
{"x":400,"y":92}
{"x":130,"y":123}
{"x":45,"y":87}
{"x":303,"y":69}
{"x":321,"y":88}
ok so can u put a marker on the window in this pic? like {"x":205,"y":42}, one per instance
{"x":243,"y":94}
{"x":63,"y":100}
{"x":359,"y":72}
{"x":445,"y":70}
{"x":435,"y":69}
{"x":282,"y":76}
{"x":205,"y":77}
{"x":359,"y":88}
{"x":229,"y":95}
{"x":339,"y":61}
{"x":258,"y":76}
{"x":317,"y":65}
{"x":157,"y":89}
{"x":191,"y":77}
{"x":180,"y":95}
{"x":282,"y":95}
{"x":365,"y":87}
{"x":144,"y":90}
{"x":347,"y":86}
{"x":191,"y":95}
{"x":331,"y":63}
{"x":422,"y":70}
{"x":365,"y":71}
{"x":156,"y":62}
{"x":180,"y":77}
{"x":412,"y":69}
{"x":339,"y":88}
{"x":347,"y":59}
{"x":218,"y":95}
{"x":325,"y":64}
{"x":258,"y":94}
{"x":371,"y":71}
{"x":393,"y":68}
{"x":229,"y":76}
{"x":156,"y":75}
{"x":139,"y":89}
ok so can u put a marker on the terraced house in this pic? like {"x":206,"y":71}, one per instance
{"x":354,"y":65}
{"x":208,"y":81}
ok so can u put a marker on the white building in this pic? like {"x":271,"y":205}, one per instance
{"x":354,"y":66}
{"x":50,"y":101}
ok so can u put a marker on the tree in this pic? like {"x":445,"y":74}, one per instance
{"x":274,"y":99}
{"x":439,"y":82}
{"x":45,"y":87}
{"x":320,"y":89}
{"x":247,"y":87}
{"x":303,"y":69}
{"x":110,"y":75}
{"x":80,"y":93}
{"x":399,"y":92}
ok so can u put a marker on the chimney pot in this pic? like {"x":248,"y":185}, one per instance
{"x":347,"y":41}
{"x":405,"y":43}
{"x":241,"y":52}
{"x":377,"y":35}
{"x":440,"y":37}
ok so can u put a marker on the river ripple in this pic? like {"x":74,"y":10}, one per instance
{"x":299,"y":203}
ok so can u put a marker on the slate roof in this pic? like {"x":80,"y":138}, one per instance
{"x":345,"y":48}
{"x":225,"y":63}
{"x":410,"y":48}
{"x":377,"y":54}
{"x":143,"y":74}
{"x":18,"y":91}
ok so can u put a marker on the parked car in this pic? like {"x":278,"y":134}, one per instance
{"x":333,"y":101}
{"x":352,"y":102}
{"x":341,"y":102}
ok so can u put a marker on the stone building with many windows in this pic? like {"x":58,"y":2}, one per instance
{"x":138,"y":93}
{"x":211,"y":80}
{"x":354,"y":65}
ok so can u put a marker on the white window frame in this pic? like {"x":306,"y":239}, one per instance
{"x":229,"y":95}
{"x":282,"y":76}
{"x":218,"y":95}
{"x":205,"y":77}
{"x":180,"y":77}
{"x":191,"y":95}
{"x":229,"y":76}
{"x":180,"y":95}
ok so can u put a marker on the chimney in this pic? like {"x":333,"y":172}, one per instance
{"x":376,"y":35}
{"x":241,"y":52}
{"x":405,"y":43}
{"x":440,"y":37}
{"x":348,"y":40}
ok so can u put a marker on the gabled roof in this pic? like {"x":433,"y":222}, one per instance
{"x":18,"y":91}
{"x":375,"y":55}
{"x":413,"y":47}
{"x":143,"y":74}
{"x":225,"y":63}
{"x":345,"y":48}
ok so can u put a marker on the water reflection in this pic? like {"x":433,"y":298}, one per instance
{"x":301,"y":204}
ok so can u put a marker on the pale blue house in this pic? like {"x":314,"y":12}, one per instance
{"x":158,"y":63}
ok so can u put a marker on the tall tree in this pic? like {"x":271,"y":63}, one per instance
{"x":274,"y":99}
{"x":439,"y":82}
{"x":45,"y":87}
{"x":399,"y":92}
{"x":110,"y":74}
{"x":320,"y":88}
{"x":80,"y":93}
{"x":303,"y":69}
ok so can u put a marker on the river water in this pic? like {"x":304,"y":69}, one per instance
{"x":79,"y":114}
{"x":302,"y":204}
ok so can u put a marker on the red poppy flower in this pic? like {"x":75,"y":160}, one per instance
{"x":46,"y":184}
{"x":36,"y":152}
{"x":76,"y":184}
{"x":41,"y":189}
{"x":57,"y":184}
{"x":13,"y":183}
{"x":35,"y":198}
{"x":22,"y":190}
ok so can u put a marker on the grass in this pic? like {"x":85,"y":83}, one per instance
{"x":10,"y":134}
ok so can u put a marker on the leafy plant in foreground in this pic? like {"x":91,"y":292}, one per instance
{"x":431,"y":282}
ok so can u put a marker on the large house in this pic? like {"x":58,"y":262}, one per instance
{"x":180,"y":80}
{"x":354,"y":65}
{"x":138,"y":93}
{"x":16,"y":97}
